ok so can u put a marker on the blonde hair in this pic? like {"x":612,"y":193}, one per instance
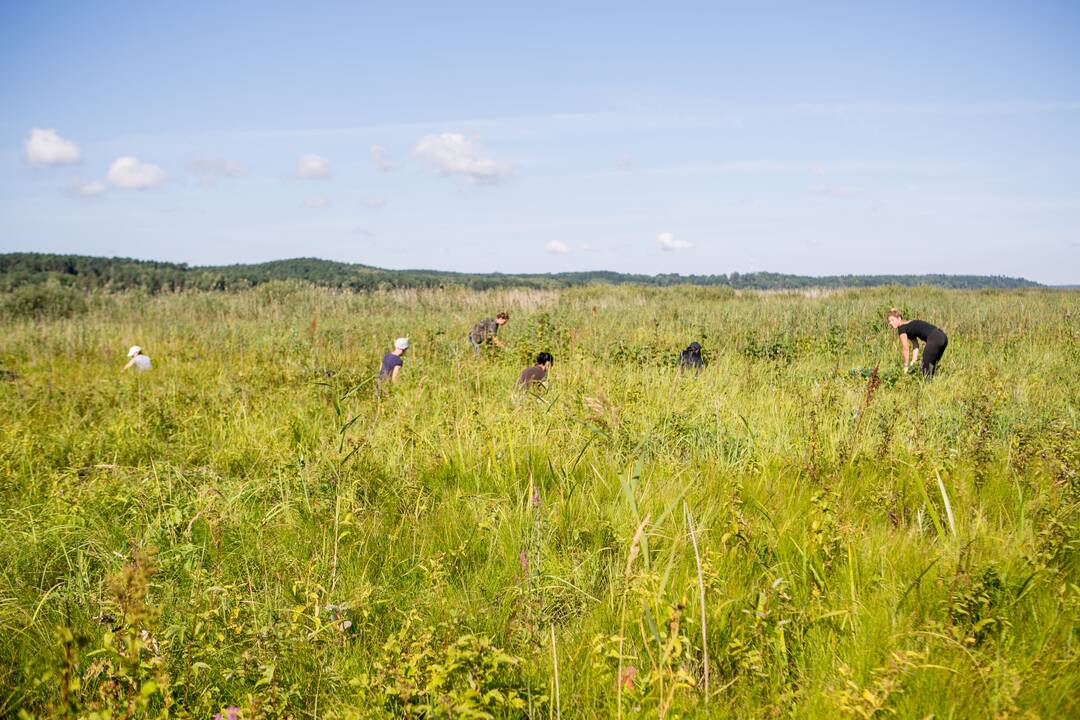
{"x":893,"y":313}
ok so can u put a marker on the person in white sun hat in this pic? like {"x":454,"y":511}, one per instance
{"x":392,"y":362}
{"x":138,"y":360}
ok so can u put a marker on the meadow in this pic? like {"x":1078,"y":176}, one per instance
{"x":252,"y":528}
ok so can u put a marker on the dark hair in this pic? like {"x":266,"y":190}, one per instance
{"x":503,"y":316}
{"x":544,"y":357}
{"x":694,"y":347}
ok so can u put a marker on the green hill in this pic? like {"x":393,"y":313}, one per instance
{"x":86,"y":272}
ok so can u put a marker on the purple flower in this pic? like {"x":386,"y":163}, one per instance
{"x":231,"y":713}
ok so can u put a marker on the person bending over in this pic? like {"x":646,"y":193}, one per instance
{"x":690,"y":358}
{"x":392,"y":361}
{"x":911,"y":332}
{"x":486,"y":331}
{"x":534,"y":376}
{"x":138,"y":360}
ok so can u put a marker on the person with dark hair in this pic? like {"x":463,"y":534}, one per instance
{"x":486,"y":331}
{"x":911,"y":332}
{"x":535,"y":375}
{"x":690,"y":358}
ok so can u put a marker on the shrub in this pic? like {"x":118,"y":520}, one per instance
{"x":43,"y":302}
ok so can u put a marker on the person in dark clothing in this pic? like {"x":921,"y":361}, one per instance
{"x":535,"y":375}
{"x":690,"y":358}
{"x":486,"y":331}
{"x":911,"y":332}
{"x":392,"y":362}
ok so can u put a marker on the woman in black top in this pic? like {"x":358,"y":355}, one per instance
{"x":911,"y":332}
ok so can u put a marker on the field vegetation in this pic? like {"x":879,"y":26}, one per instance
{"x":254,"y":528}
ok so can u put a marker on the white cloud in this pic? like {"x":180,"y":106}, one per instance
{"x":44,"y":146}
{"x":316,"y":203}
{"x":453,"y":153}
{"x":556,"y":247}
{"x":381,"y":157}
{"x":213,"y":166}
{"x":374,"y":202}
{"x":313,"y":167}
{"x":87,"y":188}
{"x":130,"y":173}
{"x":667,"y":241}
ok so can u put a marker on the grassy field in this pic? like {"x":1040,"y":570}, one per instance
{"x":251,"y":525}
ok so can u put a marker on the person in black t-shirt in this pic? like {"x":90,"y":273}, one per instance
{"x":690,"y":358}
{"x":911,"y":332}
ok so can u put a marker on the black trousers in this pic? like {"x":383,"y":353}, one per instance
{"x":933,"y":349}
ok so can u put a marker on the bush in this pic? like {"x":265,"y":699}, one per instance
{"x":43,"y":302}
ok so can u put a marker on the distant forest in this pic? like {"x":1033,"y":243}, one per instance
{"x":116,"y":274}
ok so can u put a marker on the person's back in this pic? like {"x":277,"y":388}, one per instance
{"x":392,"y":362}
{"x":918,"y":329}
{"x":138,"y":360}
{"x":535,"y":375}
{"x":487,"y":331}
{"x":911,"y":332}
{"x":389,"y":362}
{"x":690,"y":358}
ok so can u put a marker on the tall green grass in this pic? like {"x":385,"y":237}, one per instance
{"x":252,"y":524}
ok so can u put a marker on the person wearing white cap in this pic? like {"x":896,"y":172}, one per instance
{"x":138,"y":360}
{"x":392,"y":362}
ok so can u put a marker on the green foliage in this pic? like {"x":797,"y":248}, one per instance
{"x":19,"y":269}
{"x":417,"y":676}
{"x":869,"y":545}
{"x":43,"y":302}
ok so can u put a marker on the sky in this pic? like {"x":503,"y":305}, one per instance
{"x":707,"y":137}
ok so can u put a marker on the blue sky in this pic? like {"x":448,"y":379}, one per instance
{"x":813,"y":138}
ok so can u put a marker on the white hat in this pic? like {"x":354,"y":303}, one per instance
{"x":401,"y":344}
{"x":135,"y":350}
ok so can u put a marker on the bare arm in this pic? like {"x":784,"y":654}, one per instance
{"x":130,"y":363}
{"x":394,"y":373}
{"x":905,"y":348}
{"x":498,"y":343}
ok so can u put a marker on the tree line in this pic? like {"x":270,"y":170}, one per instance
{"x":18,"y":270}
